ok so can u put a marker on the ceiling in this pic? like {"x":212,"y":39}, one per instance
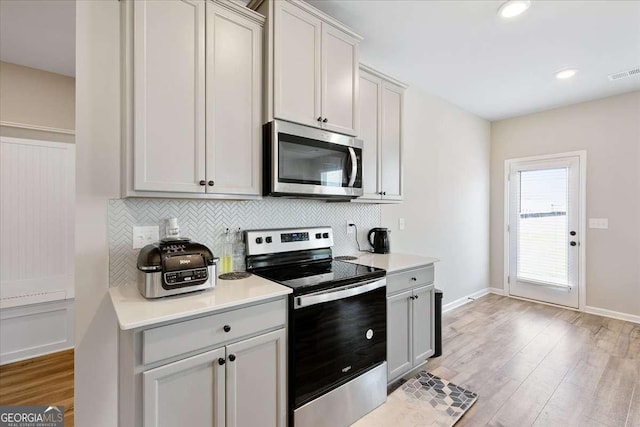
{"x":39,"y":34}
{"x":465,"y":53}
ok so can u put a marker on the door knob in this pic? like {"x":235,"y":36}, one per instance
{"x":573,"y":243}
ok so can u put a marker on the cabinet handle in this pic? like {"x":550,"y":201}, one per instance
{"x":232,"y":357}
{"x":227,"y":328}
{"x":210,"y":183}
{"x":325,"y":120}
{"x":202,"y":182}
{"x":319,"y":119}
{"x":220,"y":361}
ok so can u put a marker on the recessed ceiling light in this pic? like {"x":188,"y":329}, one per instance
{"x":566,"y":74}
{"x":513,"y":8}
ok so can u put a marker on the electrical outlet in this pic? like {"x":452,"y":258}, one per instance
{"x":401,"y":223}
{"x":143,"y":236}
{"x":599,"y":223}
{"x":350,"y":229}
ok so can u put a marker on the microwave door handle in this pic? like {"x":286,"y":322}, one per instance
{"x":354,"y":167}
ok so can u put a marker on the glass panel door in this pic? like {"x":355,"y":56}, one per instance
{"x":543,"y":230}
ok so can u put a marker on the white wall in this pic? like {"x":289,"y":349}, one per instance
{"x":609,"y":129}
{"x":36,"y":99}
{"x":446,"y":193}
{"x":97,"y":173}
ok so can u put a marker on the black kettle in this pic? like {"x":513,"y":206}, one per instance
{"x":381,"y":242}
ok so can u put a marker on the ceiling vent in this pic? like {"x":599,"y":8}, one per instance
{"x":624,"y":74}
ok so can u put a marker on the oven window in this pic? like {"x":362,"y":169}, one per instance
{"x":306,"y":161}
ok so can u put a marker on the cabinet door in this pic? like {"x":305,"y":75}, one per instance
{"x":234,"y":96}
{"x":422,"y":329}
{"x":189,"y":392}
{"x":297,"y":68}
{"x":399,"y":351}
{"x":340,"y":81}
{"x":256,"y":381}
{"x":369,"y":133}
{"x":169,"y":110}
{"x":391,"y":142}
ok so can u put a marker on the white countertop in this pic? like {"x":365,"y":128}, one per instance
{"x":393,"y":262}
{"x":135,"y":311}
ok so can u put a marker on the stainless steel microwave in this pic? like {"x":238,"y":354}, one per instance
{"x":301,"y":161}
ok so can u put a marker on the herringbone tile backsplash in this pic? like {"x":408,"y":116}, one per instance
{"x":205,"y":222}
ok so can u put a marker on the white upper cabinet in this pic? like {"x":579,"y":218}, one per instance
{"x":234,"y":102}
{"x":381,"y":110}
{"x":390,"y":141}
{"x":193,"y":99}
{"x":169,"y":109}
{"x":297,"y":65}
{"x":339,"y":81}
{"x":312,"y":75}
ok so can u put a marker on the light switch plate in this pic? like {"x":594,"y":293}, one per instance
{"x":602,"y":223}
{"x":401,"y":223}
{"x":143,"y":236}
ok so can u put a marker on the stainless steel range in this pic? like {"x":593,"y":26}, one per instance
{"x":337,"y":325}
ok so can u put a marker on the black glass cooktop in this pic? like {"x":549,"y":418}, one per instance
{"x":320,"y":275}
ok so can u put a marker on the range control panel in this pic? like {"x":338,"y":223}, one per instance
{"x":260,"y":242}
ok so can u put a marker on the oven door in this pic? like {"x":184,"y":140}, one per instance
{"x":310,"y":162}
{"x":337,"y":335}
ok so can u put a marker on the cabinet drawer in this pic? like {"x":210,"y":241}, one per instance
{"x":397,"y":282}
{"x":182,"y":337}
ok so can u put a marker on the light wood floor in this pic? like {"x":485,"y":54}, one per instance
{"x":537,"y":365}
{"x":45,"y":380}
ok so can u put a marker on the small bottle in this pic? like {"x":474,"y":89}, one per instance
{"x":239,"y":252}
{"x":227,"y":253}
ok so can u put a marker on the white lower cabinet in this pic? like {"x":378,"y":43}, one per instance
{"x":410,"y":322}
{"x":239,"y":385}
{"x":187,"y":392}
{"x":225,"y":369}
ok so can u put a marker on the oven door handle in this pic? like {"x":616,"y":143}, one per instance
{"x":339,"y":293}
{"x":354,"y":167}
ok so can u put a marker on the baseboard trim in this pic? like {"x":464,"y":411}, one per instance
{"x":465,"y":300}
{"x":612,"y":314}
{"x":497,"y":291}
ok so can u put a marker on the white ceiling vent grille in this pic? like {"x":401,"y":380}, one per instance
{"x":624,"y":74}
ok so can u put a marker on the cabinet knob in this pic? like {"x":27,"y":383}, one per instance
{"x":573,"y":243}
{"x":573,"y":233}
{"x":220,"y":361}
{"x":319,"y":119}
{"x":384,"y":193}
{"x":202,"y":182}
{"x":325,"y":120}
{"x":411,"y":297}
{"x":227,"y":328}
{"x":413,"y":279}
{"x":210,"y":183}
{"x":232,"y":357}
{"x":416,"y":296}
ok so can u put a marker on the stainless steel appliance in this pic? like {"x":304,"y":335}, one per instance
{"x":381,"y":241}
{"x":337,"y":330}
{"x":175,"y":266}
{"x":301,"y":161}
